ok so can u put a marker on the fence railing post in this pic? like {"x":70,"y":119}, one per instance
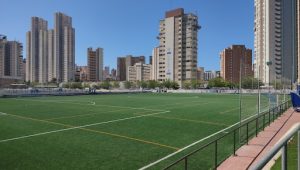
{"x":247,"y":133}
{"x":284,"y":157}
{"x":269,"y":117}
{"x":256,"y":126}
{"x":234,"y":142}
{"x":298,"y":149}
{"x":186,"y":163}
{"x":216,"y":154}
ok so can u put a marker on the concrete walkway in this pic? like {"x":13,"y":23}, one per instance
{"x":249,"y":154}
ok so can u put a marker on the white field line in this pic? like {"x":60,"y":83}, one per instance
{"x":78,"y":127}
{"x":2,"y":114}
{"x":125,"y":107}
{"x":193,"y":144}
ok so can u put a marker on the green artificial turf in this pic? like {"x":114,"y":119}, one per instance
{"x":124,"y":131}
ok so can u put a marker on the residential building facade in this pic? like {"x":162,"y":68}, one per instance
{"x":276,"y":54}
{"x":139,"y":72}
{"x":64,"y":48}
{"x":236,"y":60}
{"x":11,"y":61}
{"x":124,"y":62}
{"x":178,"y":46}
{"x":36,"y":42}
{"x":95,"y":64}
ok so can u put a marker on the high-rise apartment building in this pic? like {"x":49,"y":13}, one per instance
{"x":155,"y":64}
{"x":124,"y":62}
{"x":106,"y":73}
{"x":276,"y":54}
{"x":200,"y":73}
{"x":36,"y":50}
{"x":234,"y":60}
{"x":95,"y":64}
{"x":64,"y":48}
{"x":51,"y":53}
{"x":178,"y":46}
{"x":11,"y":58}
{"x":139,"y":72}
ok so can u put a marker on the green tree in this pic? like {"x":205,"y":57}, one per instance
{"x":116,"y":84}
{"x":152,"y":84}
{"x":217,"y":82}
{"x":250,"y":83}
{"x":167,"y":84}
{"x":127,"y":84}
{"x":187,"y":84}
{"x":174,"y":85}
{"x":195,"y":84}
{"x":105,"y":85}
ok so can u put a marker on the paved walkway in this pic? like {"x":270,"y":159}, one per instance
{"x":249,"y":154}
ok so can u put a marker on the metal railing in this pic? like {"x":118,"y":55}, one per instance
{"x":281,"y":145}
{"x":240,"y":136}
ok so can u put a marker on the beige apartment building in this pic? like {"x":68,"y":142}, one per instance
{"x":124,"y":62}
{"x":95,"y":64}
{"x":236,"y":60}
{"x":139,"y":72}
{"x":178,"y":46}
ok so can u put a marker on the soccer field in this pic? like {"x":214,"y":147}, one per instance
{"x":120,"y":131}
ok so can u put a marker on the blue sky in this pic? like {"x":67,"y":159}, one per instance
{"x":124,"y":27}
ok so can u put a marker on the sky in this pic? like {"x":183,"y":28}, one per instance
{"x":130,"y":27}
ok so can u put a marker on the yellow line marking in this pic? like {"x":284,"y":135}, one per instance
{"x":97,"y":131}
{"x":82,"y":115}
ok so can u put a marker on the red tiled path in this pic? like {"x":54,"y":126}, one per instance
{"x":261,"y":144}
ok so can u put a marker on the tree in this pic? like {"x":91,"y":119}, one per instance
{"x":105,"y":85}
{"x":75,"y":85}
{"x":127,"y":84}
{"x":167,"y":84}
{"x":195,"y":84}
{"x":250,"y":83}
{"x":152,"y":84}
{"x":143,"y":84}
{"x":174,"y":85}
{"x":217,"y":82}
{"x":186,"y":84}
{"x":116,"y":84}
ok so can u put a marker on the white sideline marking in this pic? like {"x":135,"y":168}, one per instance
{"x":78,"y":127}
{"x":125,"y":107}
{"x":1,"y":113}
{"x":186,"y":147}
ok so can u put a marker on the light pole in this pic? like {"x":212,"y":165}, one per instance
{"x":269,"y":63}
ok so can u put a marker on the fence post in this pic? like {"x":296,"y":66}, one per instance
{"x":247,"y":132}
{"x":216,"y":154}
{"x":284,"y":157}
{"x":256,"y":126}
{"x":269,"y":117}
{"x":298,"y":149}
{"x":264,"y":122}
{"x":234,"y":142}
{"x":185,"y":163}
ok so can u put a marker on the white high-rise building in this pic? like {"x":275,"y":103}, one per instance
{"x":178,"y":46}
{"x":64,"y":48}
{"x":36,"y":42}
{"x":276,"y":55}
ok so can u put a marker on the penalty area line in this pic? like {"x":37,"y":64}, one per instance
{"x":76,"y":127}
